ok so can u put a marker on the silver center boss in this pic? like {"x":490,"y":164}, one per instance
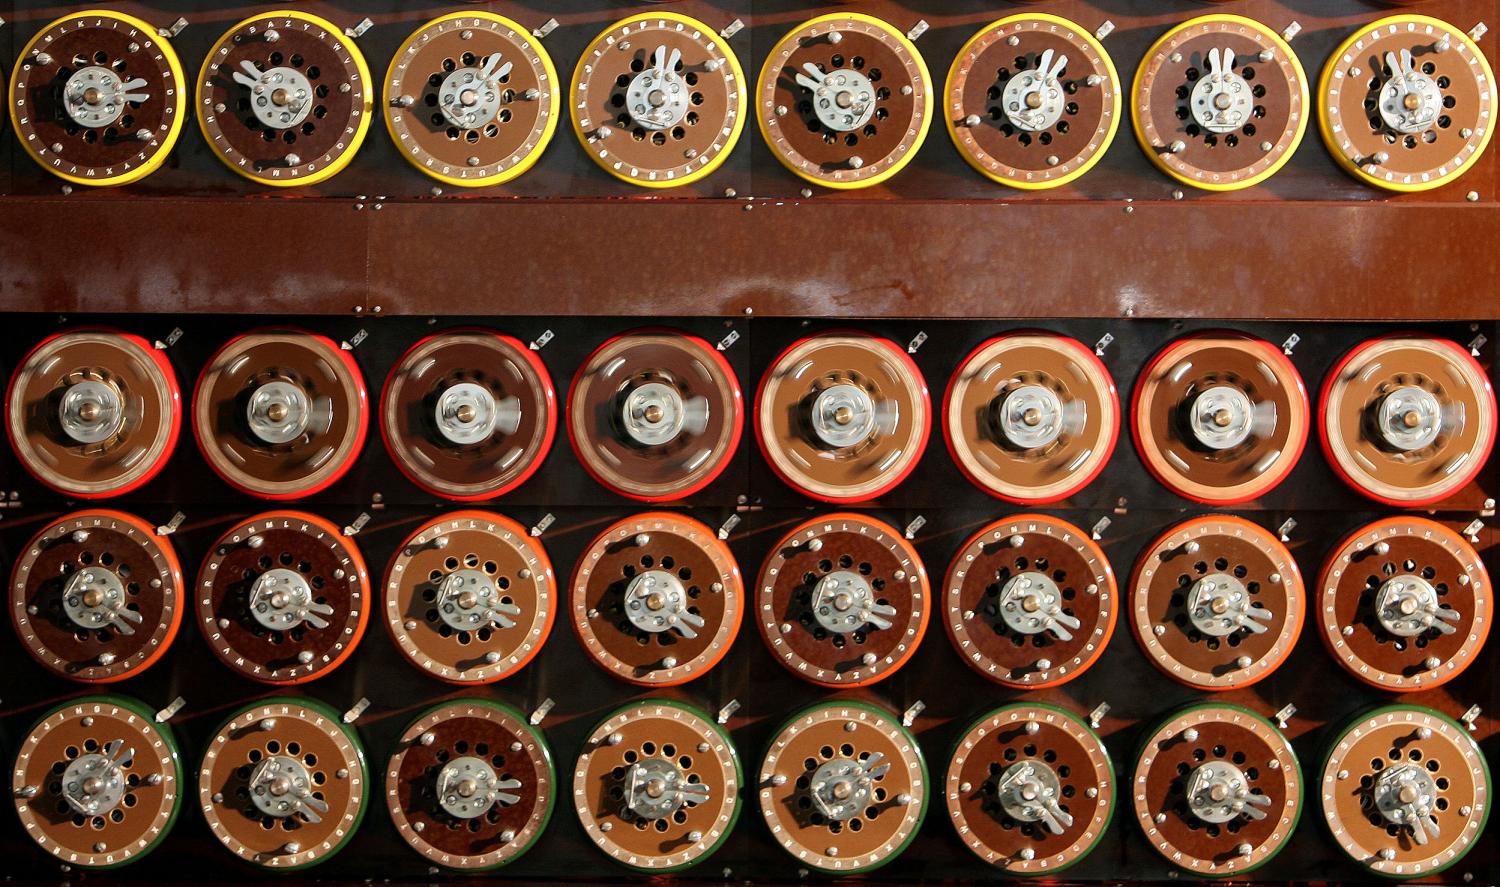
{"x":468,"y":414}
{"x":1410,"y":418}
{"x":280,"y":786}
{"x":656,"y":788}
{"x":1218,"y":792}
{"x":1410,"y":100}
{"x":94,"y":784}
{"x":94,"y":598}
{"x":470,"y":98}
{"x":468,"y":787}
{"x":91,"y":412}
{"x":656,"y":601}
{"x":1034,"y":100}
{"x":1031,"y":417}
{"x":1029,"y":791}
{"x":843,"y":787}
{"x":1031,"y":603}
{"x":1222,"y":100}
{"x":469,"y":600}
{"x":658,"y":97}
{"x":845,"y":415}
{"x":654,"y":414}
{"x":843,"y":602}
{"x":96,"y":97}
{"x":282,"y":599}
{"x":1407,"y":605}
{"x":281,"y":98}
{"x":279,"y":412}
{"x":1406,"y":796}
{"x":843,"y":100}
{"x":1219,"y":605}
{"x":1222,"y":417}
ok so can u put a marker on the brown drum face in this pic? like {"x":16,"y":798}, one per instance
{"x":1030,"y":601}
{"x":471,"y":785}
{"x":843,"y":787}
{"x":96,"y":596}
{"x":1220,"y":102}
{"x":1220,"y":418}
{"x":1405,"y":603}
{"x":1032,"y":417}
{"x":98,"y":98}
{"x":655,"y":416}
{"x":283,"y":598}
{"x":843,"y":601}
{"x":284,"y":99}
{"x":1398,"y":770}
{"x":1033,"y":101}
{"x":1408,"y":421}
{"x":280,"y":414}
{"x":283,"y":784}
{"x":658,"y":100}
{"x":1217,"y":603}
{"x":469,"y":415}
{"x":459,"y":133}
{"x":94,"y":413}
{"x":1217,"y":790}
{"x":1030,"y":789}
{"x":657,"y":599}
{"x":859,"y":115}
{"x":1416,"y":126}
{"x":97,"y":782}
{"x":843,"y":418}
{"x":657,"y":786}
{"x":470,"y":597}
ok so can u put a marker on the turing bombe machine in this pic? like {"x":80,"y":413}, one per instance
{"x":749,"y":441}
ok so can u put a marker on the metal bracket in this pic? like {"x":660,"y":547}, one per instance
{"x":359,"y":30}
{"x":916,"y":342}
{"x":169,"y":341}
{"x":728,"y":711}
{"x":728,"y":526}
{"x":1286,"y":528}
{"x":909,"y":716}
{"x":732,"y":28}
{"x":359,"y":524}
{"x":1285,"y":715}
{"x":1096,"y":717}
{"x":541,"y":341}
{"x":1477,"y":32}
{"x":1103,"y":343}
{"x":918,"y":29}
{"x":1472,"y":530}
{"x":1291,"y":32}
{"x":1477,"y":344}
{"x":170,"y":31}
{"x":1290,"y":344}
{"x":171,"y":710}
{"x":353,"y":341}
{"x":1102,"y":524}
{"x":1104,"y":30}
{"x":541,"y":526}
{"x":1487,"y":509}
{"x":916,"y":524}
{"x":1470,"y":717}
{"x":547,"y":27}
{"x":171,"y":526}
{"x":729,"y":339}
{"x":356,"y":710}
{"x":540,"y":713}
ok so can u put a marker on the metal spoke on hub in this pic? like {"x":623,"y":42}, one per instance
{"x":1218,"y":792}
{"x":657,"y":788}
{"x":1406,"y":796}
{"x":843,"y":602}
{"x":94,"y":784}
{"x":280,"y":786}
{"x":469,"y":600}
{"x":94,"y":599}
{"x":282,"y":599}
{"x":1034,"y":100}
{"x":1029,"y":792}
{"x":1222,"y":101}
{"x":1408,"y":605}
{"x":1031,"y":603}
{"x":1410,"y":101}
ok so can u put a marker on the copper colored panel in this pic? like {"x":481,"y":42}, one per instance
{"x":470,"y":597}
{"x":1270,"y":125}
{"x":686,"y":116}
{"x":324,"y":813}
{"x":98,"y":98}
{"x":1217,"y":735}
{"x":1224,"y":369}
{"x":1407,"y":420}
{"x":514,"y":113}
{"x":1030,"y":601}
{"x":657,"y":599}
{"x":331,"y":389}
{"x":446,"y":391}
{"x":97,"y":782}
{"x":843,"y":600}
{"x":1043,"y":152}
{"x":94,"y":412}
{"x":1031,"y":417}
{"x":881,"y":60}
{"x":1405,"y":744}
{"x":655,"y":415}
{"x":1440,"y":135}
{"x":1217,"y":602}
{"x":853,"y":759}
{"x":268,"y":550}
{"x":657,"y":786}
{"x":843,"y":417}
{"x":96,"y":596}
{"x":1362,"y":608}
{"x":438,"y":751}
{"x":1030,"y":789}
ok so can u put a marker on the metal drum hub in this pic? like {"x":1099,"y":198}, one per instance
{"x":94,"y":598}
{"x":1030,"y":417}
{"x":470,"y":98}
{"x":843,"y":416}
{"x":281,"y":599}
{"x":281,"y":98}
{"x":843,"y":100}
{"x":1222,"y":102}
{"x":656,"y":601}
{"x":467,"y":788}
{"x":656,"y":788}
{"x":1221,"y":417}
{"x":281,"y":787}
{"x":1410,"y":101}
{"x":658,"y":97}
{"x":841,"y":788}
{"x":95,"y":96}
{"x":1031,"y":603}
{"x":1034,"y":100}
{"x":469,"y":600}
{"x":278,"y":412}
{"x":1218,"y":792}
{"x":1406,"y":796}
{"x":93,"y":784}
{"x":91,"y":412}
{"x":468,"y":414}
{"x":844,"y":602}
{"x":653,"y":414}
{"x":1408,"y":605}
{"x":1409,"y":418}
{"x":1029,"y":791}
{"x":1219,"y":605}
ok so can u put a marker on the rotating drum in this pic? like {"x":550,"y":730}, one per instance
{"x":1217,"y":603}
{"x":657,"y":599}
{"x":658,"y":100}
{"x":657,"y":786}
{"x":468,"y":414}
{"x":471,"y":99}
{"x":1030,"y":789}
{"x":280,"y":413}
{"x":844,"y":100}
{"x":1407,"y":420}
{"x":843,"y":787}
{"x":283,"y":783}
{"x":1030,"y":602}
{"x":284,"y":99}
{"x":96,"y":596}
{"x":97,"y":98}
{"x":655,"y":415}
{"x":283,"y":597}
{"x":1406,"y":103}
{"x":1405,"y":791}
{"x":470,"y":597}
{"x":94,"y":412}
{"x":843,"y":600}
{"x":471,"y":785}
{"x":1404,"y":604}
{"x":1031,"y":418}
{"x":1220,"y":418}
{"x":1217,"y":790}
{"x":843,"y":417}
{"x":1033,"y":101}
{"x":97,"y":782}
{"x":1220,"y":103}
